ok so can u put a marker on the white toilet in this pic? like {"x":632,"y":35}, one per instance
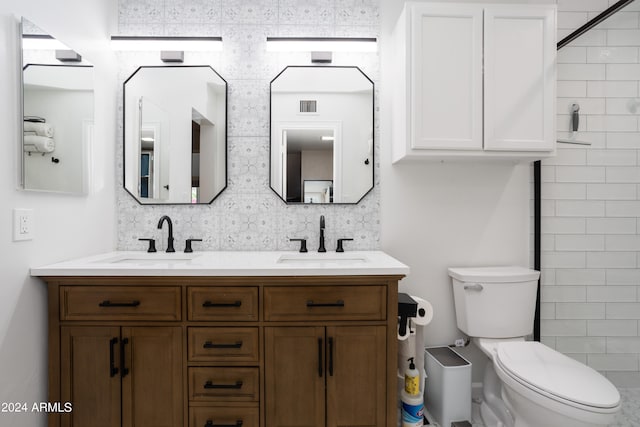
{"x":528,"y":384}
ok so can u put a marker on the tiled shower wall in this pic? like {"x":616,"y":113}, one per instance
{"x":248,"y":215}
{"x":591,"y":197}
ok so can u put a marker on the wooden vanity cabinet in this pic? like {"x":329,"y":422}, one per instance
{"x":223,"y":351}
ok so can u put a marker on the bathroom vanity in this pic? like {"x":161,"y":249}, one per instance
{"x":224,"y":339}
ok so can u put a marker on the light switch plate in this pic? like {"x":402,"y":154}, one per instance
{"x":23,"y":224}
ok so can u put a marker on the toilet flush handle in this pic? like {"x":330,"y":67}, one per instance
{"x":477,"y":287}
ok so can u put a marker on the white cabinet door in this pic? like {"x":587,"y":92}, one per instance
{"x":519,"y":78}
{"x":446,"y":77}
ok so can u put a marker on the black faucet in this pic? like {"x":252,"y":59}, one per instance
{"x":170,"y":239}
{"x":321,"y":248}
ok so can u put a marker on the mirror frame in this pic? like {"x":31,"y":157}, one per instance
{"x":226,"y":135}
{"x":373,"y":138}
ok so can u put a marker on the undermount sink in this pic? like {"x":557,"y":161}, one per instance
{"x":321,"y":259}
{"x":150,"y":259}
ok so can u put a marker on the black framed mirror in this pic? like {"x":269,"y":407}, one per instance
{"x":175,"y":134}
{"x":321,"y":130}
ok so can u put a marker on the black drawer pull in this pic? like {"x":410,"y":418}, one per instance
{"x":236,"y":386}
{"x":113,"y":371}
{"x":123,"y":369}
{"x":211,"y":424}
{"x":222,"y":304}
{"x":209,"y":344}
{"x":107,"y":303}
{"x":339,"y":303}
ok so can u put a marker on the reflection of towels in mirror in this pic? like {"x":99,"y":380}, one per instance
{"x":40,"y":129}
{"x":38,"y":144}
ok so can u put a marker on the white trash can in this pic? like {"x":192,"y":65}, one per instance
{"x":447,"y":392}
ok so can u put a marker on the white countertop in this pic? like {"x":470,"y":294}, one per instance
{"x":131,"y":263}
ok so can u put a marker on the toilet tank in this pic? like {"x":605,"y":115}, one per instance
{"x":495,"y":302}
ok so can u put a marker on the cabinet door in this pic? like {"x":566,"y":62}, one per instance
{"x":519,"y":79}
{"x":87,"y":356}
{"x":152,"y":389}
{"x":356,"y":376}
{"x":294,"y":377}
{"x":446,"y":77}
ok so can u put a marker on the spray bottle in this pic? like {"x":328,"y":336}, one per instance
{"x":412,"y":401}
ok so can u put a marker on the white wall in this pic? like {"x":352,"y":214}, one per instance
{"x":439,"y":215}
{"x":66,"y":226}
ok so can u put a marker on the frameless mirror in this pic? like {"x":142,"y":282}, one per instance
{"x":321,"y":134}
{"x":175,"y":134}
{"x":58,"y":103}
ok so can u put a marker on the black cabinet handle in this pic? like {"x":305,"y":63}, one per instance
{"x":209,"y":344}
{"x":320,"y":357}
{"x":221,"y":304}
{"x":113,"y":371}
{"x":330,"y":356}
{"x":123,"y":370}
{"x":210,"y":385}
{"x":339,"y":303}
{"x":211,"y":424}
{"x":107,"y":303}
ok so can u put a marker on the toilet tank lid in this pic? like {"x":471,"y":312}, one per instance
{"x":502,"y":274}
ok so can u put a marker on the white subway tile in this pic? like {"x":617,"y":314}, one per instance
{"x":611,"y":259}
{"x":565,"y":328}
{"x":594,"y":37}
{"x":580,"y":357}
{"x":622,"y":208}
{"x":564,"y":156}
{"x":587,"y":105}
{"x":548,"y":276}
{"x":580,"y":208}
{"x":577,"y":310}
{"x":621,"y":276}
{"x":611,"y":226}
{"x":615,"y":89}
{"x":611,"y":294}
{"x":619,"y":20}
{"x":572,"y":55}
{"x":547,"y":242}
{"x":611,"y":192}
{"x":612,"y":55}
{"x":596,"y":139}
{"x":623,"y":242}
{"x":562,"y":33}
{"x":623,"y":345}
{"x":619,"y":106}
{"x":548,"y":208}
{"x":623,"y":38}
{"x":612,"y":328}
{"x":548,"y":341}
{"x":571,"y":20}
{"x":558,"y":191}
{"x":618,"y":71}
{"x":583,"y":72}
{"x":624,"y":379}
{"x":582,"y":5}
{"x":588,"y":277}
{"x":563,"y":294}
{"x":611,"y":157}
{"x":572,"y":242}
{"x":552,"y":225}
{"x":623,"y":310}
{"x":547,"y":310}
{"x":613,"y":362}
{"x":612,"y":123}
{"x":578,"y":174}
{"x":623,"y":140}
{"x":568,"y":88}
{"x":581,"y":344}
{"x":564,"y":260}
{"x":548,"y":173}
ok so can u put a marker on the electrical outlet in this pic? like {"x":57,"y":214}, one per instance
{"x":22,"y":224}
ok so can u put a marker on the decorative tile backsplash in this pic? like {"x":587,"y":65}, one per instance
{"x":248,"y":215}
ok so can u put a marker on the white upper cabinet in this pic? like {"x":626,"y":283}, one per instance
{"x":474,"y":80}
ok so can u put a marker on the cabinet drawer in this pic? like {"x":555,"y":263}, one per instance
{"x":218,"y":417}
{"x":221,"y":304}
{"x":119,"y":303}
{"x":223,"y":344}
{"x":224,"y":384}
{"x":324,"y":303}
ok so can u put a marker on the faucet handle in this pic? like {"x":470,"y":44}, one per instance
{"x":152,"y":244}
{"x":340,"y":248}
{"x":188,"y":248}
{"x":303,"y":244}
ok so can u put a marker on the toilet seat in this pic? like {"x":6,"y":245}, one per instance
{"x":556,"y":376}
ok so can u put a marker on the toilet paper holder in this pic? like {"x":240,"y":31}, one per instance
{"x":407,"y":307}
